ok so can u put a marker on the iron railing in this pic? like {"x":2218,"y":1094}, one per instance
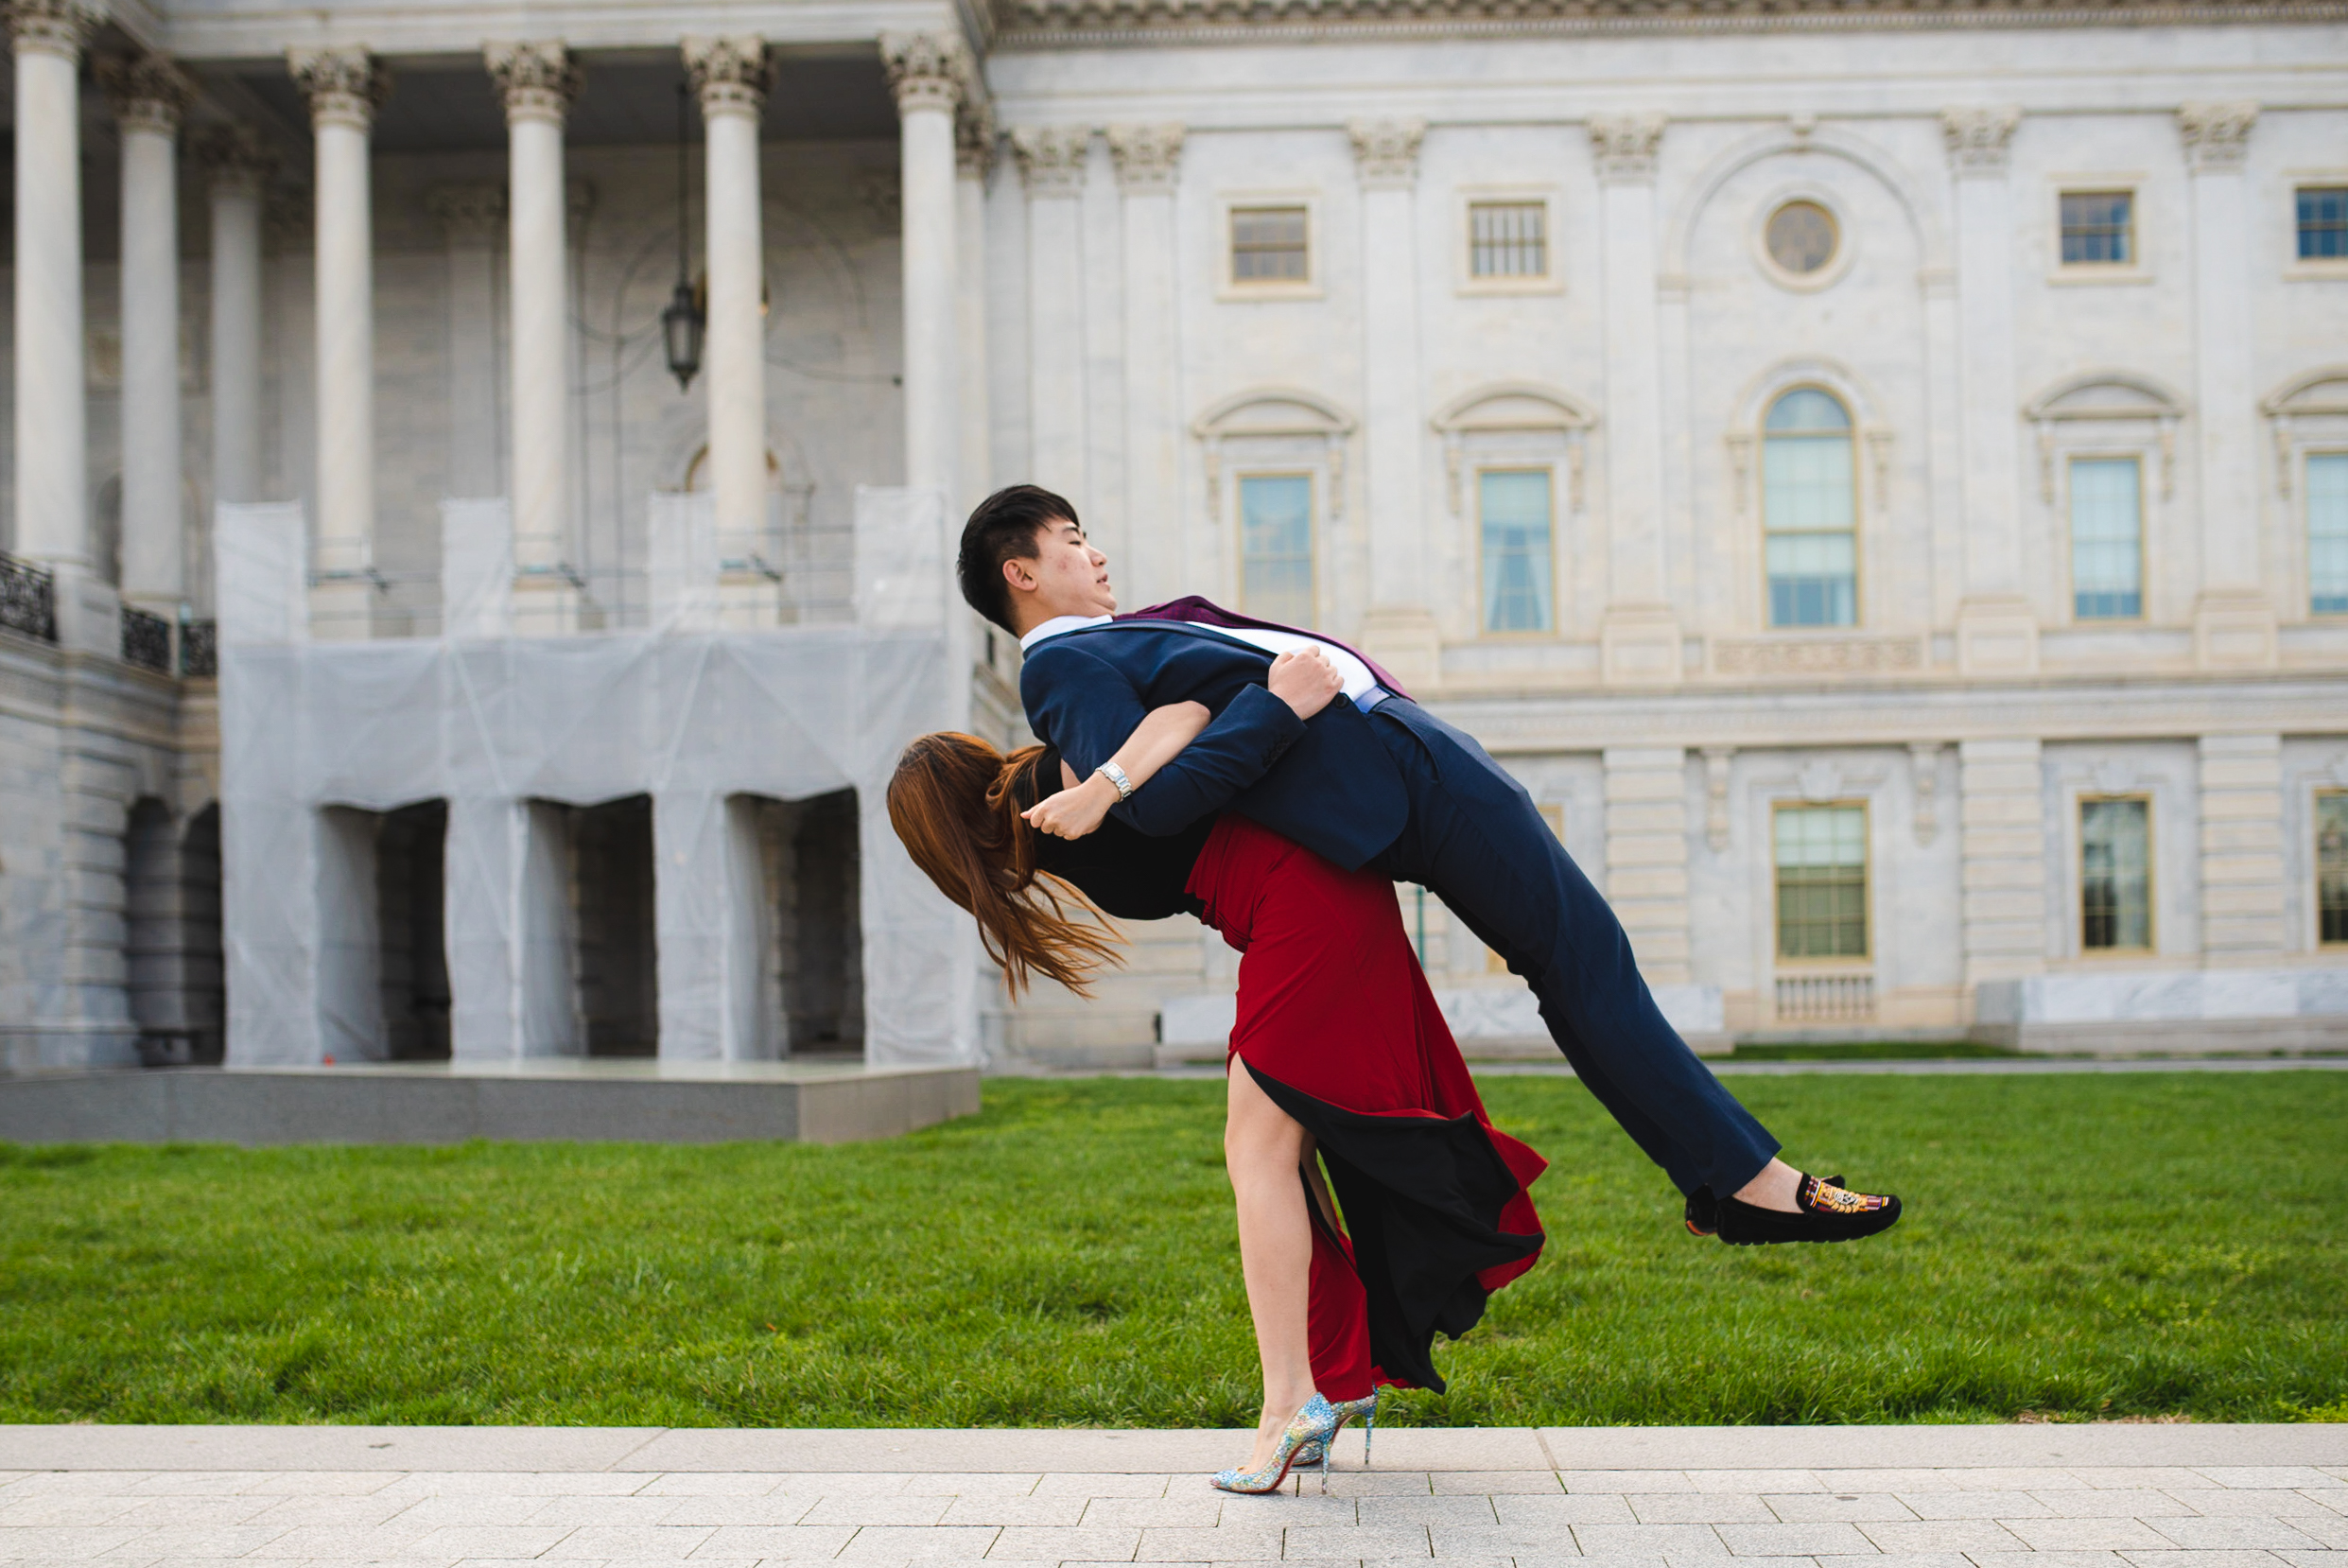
{"x":199,"y":649}
{"x":27,"y":599}
{"x":145,"y":639}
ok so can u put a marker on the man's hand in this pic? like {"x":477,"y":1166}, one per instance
{"x":1072,"y":812}
{"x":1305,"y":680}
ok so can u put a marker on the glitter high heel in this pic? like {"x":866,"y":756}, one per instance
{"x":1315,"y":1423}
{"x":1366,"y":1408}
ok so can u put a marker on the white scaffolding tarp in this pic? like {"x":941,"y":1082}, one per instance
{"x":501,"y":727}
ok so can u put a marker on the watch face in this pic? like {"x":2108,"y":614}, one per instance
{"x":1802,"y":237}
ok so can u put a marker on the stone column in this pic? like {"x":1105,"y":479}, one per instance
{"x":2234,"y":620}
{"x":1640,"y":640}
{"x":2002,"y":816}
{"x":731,"y":77}
{"x":52,"y":433}
{"x":1398,"y":627}
{"x":1646,"y":857}
{"x":2242,"y":862}
{"x":928,"y":71}
{"x":149,"y":95}
{"x":537,"y":80}
{"x":1996,"y":621}
{"x":1148,"y":159}
{"x":343,"y":86}
{"x":1051,"y":162}
{"x":974,"y":157}
{"x":472,"y":216}
{"x":237,"y":169}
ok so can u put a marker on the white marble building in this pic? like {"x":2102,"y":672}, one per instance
{"x":1878,"y":473}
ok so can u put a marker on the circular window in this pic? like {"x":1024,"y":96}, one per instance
{"x":1802,"y":237}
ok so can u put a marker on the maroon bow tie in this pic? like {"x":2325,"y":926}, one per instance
{"x":1203,"y":612}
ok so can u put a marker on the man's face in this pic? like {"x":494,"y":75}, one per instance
{"x":1067,"y":577}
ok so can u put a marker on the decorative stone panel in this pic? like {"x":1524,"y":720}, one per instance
{"x":1797,"y":659}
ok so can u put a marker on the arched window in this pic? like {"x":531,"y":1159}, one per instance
{"x":1810,"y":511}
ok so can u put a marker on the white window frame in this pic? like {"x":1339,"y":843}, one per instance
{"x":1463,"y":230}
{"x":2071,"y":275}
{"x":1235,"y":289}
{"x":1318,"y":482}
{"x":2295,"y":269}
{"x":2145,"y":477}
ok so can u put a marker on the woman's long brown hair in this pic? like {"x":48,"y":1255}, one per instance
{"x":955,"y":804}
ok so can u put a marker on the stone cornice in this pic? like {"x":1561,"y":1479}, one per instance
{"x":537,"y":80}
{"x":1095,"y":23}
{"x":729,"y":74}
{"x":148,"y":91}
{"x":345,"y":86}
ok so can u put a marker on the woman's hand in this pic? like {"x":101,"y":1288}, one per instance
{"x":1072,"y":813}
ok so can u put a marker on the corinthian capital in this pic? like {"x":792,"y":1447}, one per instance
{"x":1978,"y":135}
{"x":345,"y":86}
{"x":2217,"y":135}
{"x":1147,"y":156}
{"x":975,"y":135}
{"x":148,"y":91}
{"x":927,"y":70}
{"x":1385,"y":152}
{"x":50,"y":26}
{"x":537,"y":80}
{"x":730,"y":75}
{"x":1625,"y":145}
{"x":234,"y":158}
{"x":1052,"y":157}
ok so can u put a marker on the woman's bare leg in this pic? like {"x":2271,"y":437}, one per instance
{"x":1263,"y":1149}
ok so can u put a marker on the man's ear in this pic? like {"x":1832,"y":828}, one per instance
{"x":1022,"y":575}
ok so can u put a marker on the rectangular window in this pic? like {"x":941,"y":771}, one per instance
{"x":1508,"y":240}
{"x":1518,"y":582}
{"x":1270,"y":245}
{"x":2107,"y":539}
{"x":1822,"y":882}
{"x":2324,"y":222}
{"x":1275,"y":546}
{"x":2099,"y":228}
{"x":2327,"y":534}
{"x":2115,"y":875}
{"x":1813,"y":552}
{"x":2332,"y":867}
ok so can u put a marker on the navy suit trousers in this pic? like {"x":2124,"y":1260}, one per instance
{"x":1476,"y":840}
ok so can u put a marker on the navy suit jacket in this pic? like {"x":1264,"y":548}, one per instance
{"x":1327,"y":783}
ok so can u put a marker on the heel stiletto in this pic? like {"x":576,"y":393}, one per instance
{"x":1315,"y":1423}
{"x":1366,"y":1408}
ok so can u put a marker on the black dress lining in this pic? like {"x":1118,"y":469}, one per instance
{"x":1125,"y":871}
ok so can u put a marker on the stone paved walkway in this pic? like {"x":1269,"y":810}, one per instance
{"x":1818,"y":1497}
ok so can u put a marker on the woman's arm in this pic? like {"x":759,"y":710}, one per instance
{"x":1157,"y":741}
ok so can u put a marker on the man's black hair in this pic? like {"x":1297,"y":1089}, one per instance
{"x":1003,"y":527}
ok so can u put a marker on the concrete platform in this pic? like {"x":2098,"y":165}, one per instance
{"x":2087,"y":1496}
{"x":640,"y":1102}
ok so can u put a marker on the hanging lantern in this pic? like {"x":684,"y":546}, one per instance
{"x":680,"y":327}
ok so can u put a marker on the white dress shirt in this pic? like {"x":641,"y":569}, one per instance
{"x":1361,"y":687}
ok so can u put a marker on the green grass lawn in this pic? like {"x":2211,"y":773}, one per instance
{"x":2088,"y":1245}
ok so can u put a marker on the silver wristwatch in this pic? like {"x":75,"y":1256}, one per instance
{"x":1116,"y":776}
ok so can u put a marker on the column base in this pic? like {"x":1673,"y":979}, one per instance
{"x":1640,"y":645}
{"x":547,"y":607}
{"x":342,"y":611}
{"x":1405,"y":639}
{"x":1996,"y":635}
{"x":2235,"y":629}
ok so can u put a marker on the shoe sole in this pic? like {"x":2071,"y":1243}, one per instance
{"x":1860,"y":1230}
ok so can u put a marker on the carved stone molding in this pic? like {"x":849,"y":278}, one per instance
{"x":1052,"y":157}
{"x":1809,"y":657}
{"x":537,"y":80}
{"x":50,"y":26}
{"x":730,"y":75}
{"x":1148,"y":157}
{"x":469,"y":215}
{"x":345,"y":86}
{"x":2217,"y":135}
{"x":975,"y":135}
{"x":148,"y":91}
{"x":1979,"y":136}
{"x":1626,"y":146}
{"x":1092,"y":24}
{"x":1385,"y":152}
{"x":1923,"y":760}
{"x":927,"y":70}
{"x":235,"y":159}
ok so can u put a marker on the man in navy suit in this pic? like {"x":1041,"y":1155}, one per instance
{"x":1372,"y":779}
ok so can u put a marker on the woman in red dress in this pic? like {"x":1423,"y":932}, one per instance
{"x":1339,"y":1052}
